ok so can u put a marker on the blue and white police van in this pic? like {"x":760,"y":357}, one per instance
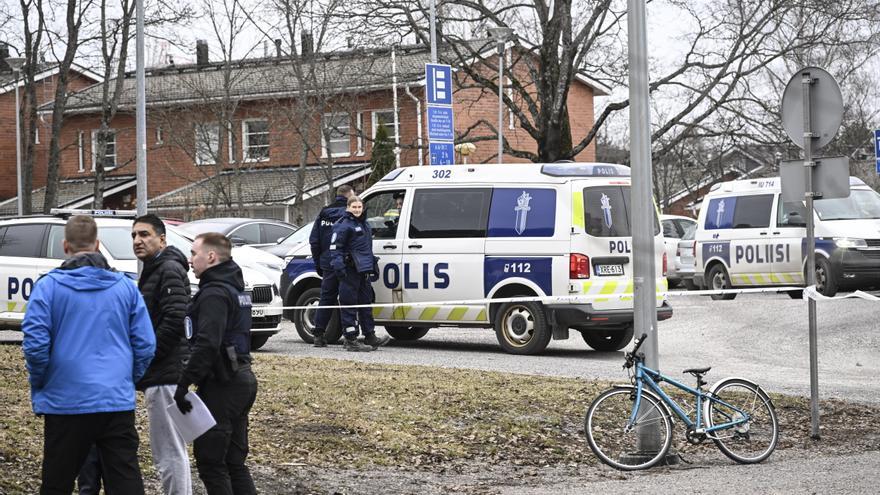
{"x":747,"y":236}
{"x":30,"y":247}
{"x":484,"y":232}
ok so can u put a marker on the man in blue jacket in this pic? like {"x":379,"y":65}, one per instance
{"x":87,"y":340}
{"x":319,"y":239}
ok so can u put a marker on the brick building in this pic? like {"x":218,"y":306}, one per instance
{"x":269,"y":136}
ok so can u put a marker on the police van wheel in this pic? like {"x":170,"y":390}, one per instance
{"x":304,"y":319}
{"x":608,"y":340}
{"x":406,"y":333}
{"x":719,"y":280}
{"x":521,"y":328}
{"x":826,"y":284}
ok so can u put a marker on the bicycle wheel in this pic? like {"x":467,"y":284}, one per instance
{"x":749,"y":442}
{"x":615,"y":444}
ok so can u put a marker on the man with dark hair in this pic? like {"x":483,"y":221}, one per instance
{"x":218,"y":325}
{"x":87,"y":341}
{"x":319,"y":240}
{"x":165,"y":286}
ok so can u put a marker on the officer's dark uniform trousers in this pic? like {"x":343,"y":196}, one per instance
{"x":357,"y":289}
{"x":319,"y":239}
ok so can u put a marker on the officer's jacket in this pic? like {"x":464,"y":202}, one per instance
{"x":322,"y":230}
{"x":352,"y":244}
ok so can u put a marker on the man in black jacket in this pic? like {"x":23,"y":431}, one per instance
{"x":319,"y":239}
{"x":164,"y":285}
{"x":219,"y":322}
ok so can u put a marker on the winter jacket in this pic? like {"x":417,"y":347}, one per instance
{"x":217,"y":320}
{"x":322,"y":230}
{"x":165,"y":286}
{"x":87,"y":339}
{"x":352,"y":245}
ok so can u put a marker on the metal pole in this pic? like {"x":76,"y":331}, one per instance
{"x":643,"y":215}
{"x":500,"y":102}
{"x":396,"y":126}
{"x":807,"y":82}
{"x":433,"y":31}
{"x":141,"y":114}
{"x":20,"y":201}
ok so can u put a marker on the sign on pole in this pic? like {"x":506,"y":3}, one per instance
{"x":877,"y":149}
{"x":441,"y":118}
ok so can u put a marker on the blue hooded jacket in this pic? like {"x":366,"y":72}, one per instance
{"x":87,"y":339}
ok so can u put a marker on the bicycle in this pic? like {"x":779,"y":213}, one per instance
{"x":735,"y":413}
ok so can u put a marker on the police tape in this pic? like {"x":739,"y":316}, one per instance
{"x":811,"y":293}
{"x":808,"y":292}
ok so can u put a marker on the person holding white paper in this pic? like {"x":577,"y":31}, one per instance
{"x":218,"y":325}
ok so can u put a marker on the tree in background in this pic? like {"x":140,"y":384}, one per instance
{"x":382,"y":158}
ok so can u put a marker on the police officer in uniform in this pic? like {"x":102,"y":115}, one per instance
{"x":218,"y":324}
{"x":352,"y":260}
{"x":319,"y":240}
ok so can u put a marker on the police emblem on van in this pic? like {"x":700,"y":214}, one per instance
{"x":522,"y":212}
{"x":719,"y":212}
{"x":606,"y":209}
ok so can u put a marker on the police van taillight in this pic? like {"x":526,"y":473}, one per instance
{"x":578,"y":266}
{"x":665,"y":261}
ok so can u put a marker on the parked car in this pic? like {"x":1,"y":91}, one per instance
{"x":289,"y":243}
{"x":31,"y":246}
{"x":674,"y":229}
{"x":685,"y":264}
{"x":268,"y":264}
{"x":243,"y":231}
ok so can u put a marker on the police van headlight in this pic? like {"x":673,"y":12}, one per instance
{"x":849,"y":242}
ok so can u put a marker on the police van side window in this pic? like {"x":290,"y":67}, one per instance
{"x":54,"y":242}
{"x":752,"y":212}
{"x":444,"y":213}
{"x":383,"y":213}
{"x":23,"y":241}
{"x":791,"y":214}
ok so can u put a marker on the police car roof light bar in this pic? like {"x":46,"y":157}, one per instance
{"x":94,"y":213}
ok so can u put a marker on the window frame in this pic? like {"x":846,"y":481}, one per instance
{"x":325,"y":145}
{"x":95,"y":148}
{"x":246,"y":145}
{"x":200,"y":130}
{"x":81,"y":150}
{"x":743,"y":201}
{"x":36,"y":244}
{"x":394,"y":124}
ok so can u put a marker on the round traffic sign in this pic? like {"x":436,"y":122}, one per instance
{"x":826,"y":107}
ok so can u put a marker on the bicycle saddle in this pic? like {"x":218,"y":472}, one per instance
{"x":698,"y":371}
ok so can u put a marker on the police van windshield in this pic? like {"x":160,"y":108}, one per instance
{"x":861,"y":204}
{"x":607,"y":212}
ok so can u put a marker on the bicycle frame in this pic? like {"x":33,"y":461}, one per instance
{"x":653,"y":378}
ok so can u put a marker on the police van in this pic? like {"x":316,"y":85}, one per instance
{"x":747,"y":236}
{"x":484,"y":232}
{"x":31,"y":246}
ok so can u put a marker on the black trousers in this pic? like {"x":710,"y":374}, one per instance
{"x":221,"y":451}
{"x":68,"y":439}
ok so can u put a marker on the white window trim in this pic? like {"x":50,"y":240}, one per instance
{"x":80,"y":143}
{"x":196,"y":135}
{"x":231,"y":150}
{"x":394,"y":125}
{"x":37,"y":134}
{"x":95,"y":149}
{"x":360,"y":134}
{"x":160,"y":139}
{"x":324,"y":144}
{"x":245,"y":145}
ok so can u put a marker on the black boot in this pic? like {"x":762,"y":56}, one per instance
{"x":320,"y":341}
{"x":355,"y":345}
{"x":374,"y":341}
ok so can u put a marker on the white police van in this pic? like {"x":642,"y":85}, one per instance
{"x":747,"y":236}
{"x":489,"y":232}
{"x":31,"y":246}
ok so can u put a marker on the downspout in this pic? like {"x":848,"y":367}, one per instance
{"x":396,"y":123}
{"x":418,"y":122}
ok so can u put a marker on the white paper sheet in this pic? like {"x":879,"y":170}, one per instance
{"x":192,"y":424}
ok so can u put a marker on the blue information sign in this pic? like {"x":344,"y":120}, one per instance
{"x":439,"y":84}
{"x":442,"y":153}
{"x":877,"y":149}
{"x":440,"y":124}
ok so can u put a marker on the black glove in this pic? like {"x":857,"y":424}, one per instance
{"x":319,"y":271}
{"x":183,"y":404}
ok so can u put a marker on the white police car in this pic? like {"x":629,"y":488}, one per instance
{"x":490,"y":232}
{"x":31,"y":246}
{"x":747,"y":236}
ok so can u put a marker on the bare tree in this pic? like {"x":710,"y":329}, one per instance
{"x":33,"y":26}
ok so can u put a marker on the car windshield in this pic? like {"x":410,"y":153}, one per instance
{"x":861,"y":204}
{"x":117,"y":241}
{"x":300,"y":235}
{"x":202,"y":227}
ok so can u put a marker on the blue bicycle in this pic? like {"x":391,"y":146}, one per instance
{"x":629,"y":427}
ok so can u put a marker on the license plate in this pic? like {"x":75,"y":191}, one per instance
{"x":256,"y":312}
{"x":609,"y":269}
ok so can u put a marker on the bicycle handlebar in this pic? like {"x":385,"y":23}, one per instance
{"x":631,"y":356}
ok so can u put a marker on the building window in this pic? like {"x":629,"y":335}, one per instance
{"x":360,"y":133}
{"x":37,"y":134}
{"x":230,"y":143}
{"x":385,"y":118}
{"x":159,"y":137}
{"x":109,"y":158}
{"x":207,"y":143}
{"x":255,"y":138}
{"x":80,"y":148}
{"x":335,"y":138}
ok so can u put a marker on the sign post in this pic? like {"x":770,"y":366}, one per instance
{"x":441,"y":118}
{"x":877,"y":150}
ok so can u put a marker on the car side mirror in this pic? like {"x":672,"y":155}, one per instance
{"x":237,"y":241}
{"x":278,"y":241}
